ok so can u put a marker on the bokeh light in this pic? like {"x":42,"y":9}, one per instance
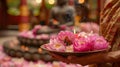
{"x":38,"y":1}
{"x":81,"y":1}
{"x":51,"y":2}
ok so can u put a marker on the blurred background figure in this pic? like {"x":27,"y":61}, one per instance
{"x":83,"y":12}
{"x":62,"y":12}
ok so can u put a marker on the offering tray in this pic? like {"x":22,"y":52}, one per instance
{"x":66,"y":54}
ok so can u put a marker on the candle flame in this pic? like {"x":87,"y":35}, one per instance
{"x":74,"y":31}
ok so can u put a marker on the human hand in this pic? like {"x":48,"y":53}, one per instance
{"x":58,"y":57}
{"x":83,"y":60}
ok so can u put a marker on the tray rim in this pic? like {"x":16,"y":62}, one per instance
{"x":95,"y":51}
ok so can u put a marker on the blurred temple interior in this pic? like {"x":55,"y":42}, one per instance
{"x":25,"y":25}
{"x":10,"y":11}
{"x":17,"y":15}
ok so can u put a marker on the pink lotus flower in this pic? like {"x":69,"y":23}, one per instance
{"x":49,"y":65}
{"x":69,"y":48}
{"x":27,"y":34}
{"x":63,"y":27}
{"x":67,"y":37}
{"x":52,"y":36}
{"x":42,"y":36}
{"x":7,"y":58}
{"x":36,"y":28}
{"x":45,"y":36}
{"x":11,"y":64}
{"x":2,"y":56}
{"x":23,"y":34}
{"x":87,"y":27}
{"x":84,"y":35}
{"x":92,"y":38}
{"x":56,"y":64}
{"x":6,"y":64}
{"x":93,"y":34}
{"x":38,"y":37}
{"x":1,"y":48}
{"x":71,"y":65}
{"x":81,"y":45}
{"x":95,"y":27}
{"x":55,"y":44}
{"x":25,"y":64}
{"x":48,"y":46}
{"x":100,"y":43}
{"x":78,"y":65}
{"x":30,"y":34}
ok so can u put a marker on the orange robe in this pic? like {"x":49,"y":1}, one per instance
{"x":110,"y":26}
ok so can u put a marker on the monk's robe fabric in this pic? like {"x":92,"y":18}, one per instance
{"x":110,"y":27}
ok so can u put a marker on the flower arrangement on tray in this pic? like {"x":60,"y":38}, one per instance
{"x":66,"y":43}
